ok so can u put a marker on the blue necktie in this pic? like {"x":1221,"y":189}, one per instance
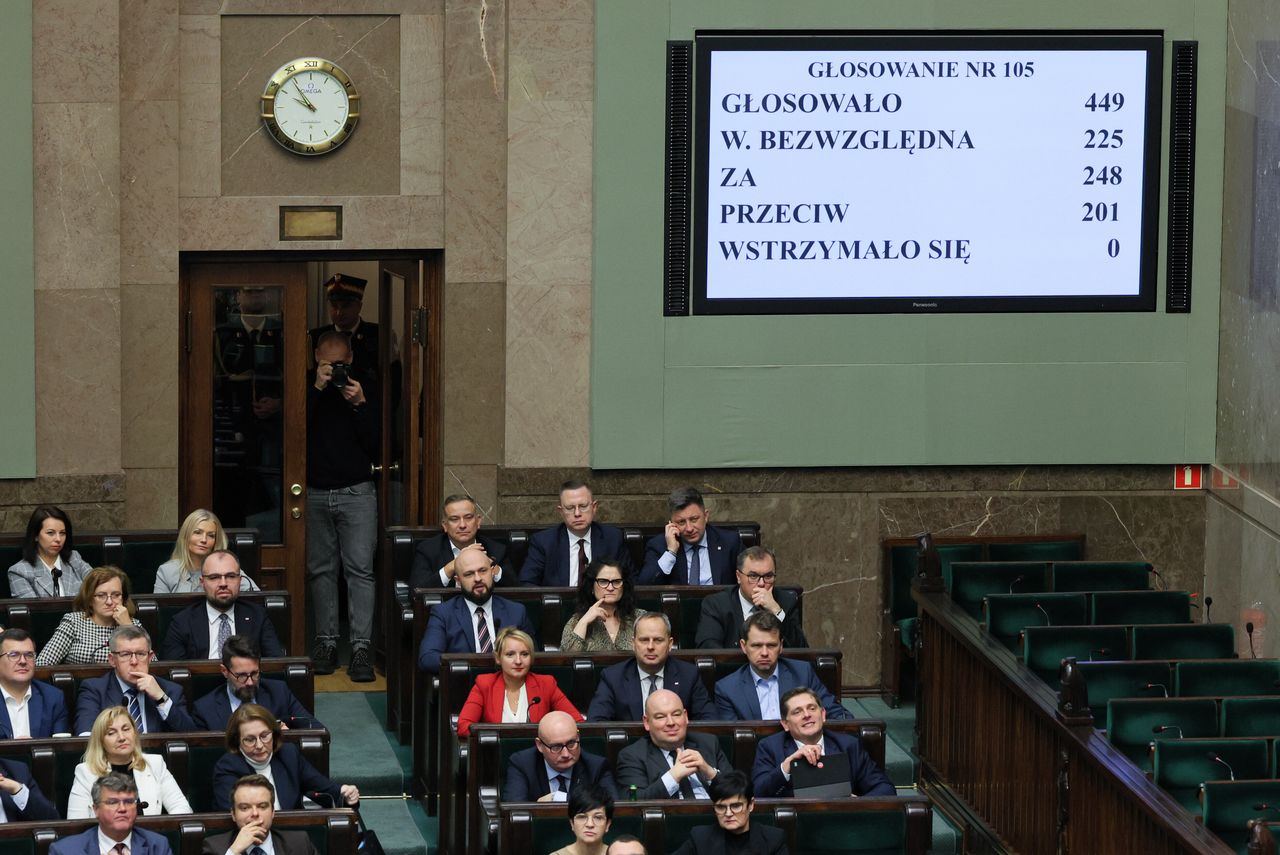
{"x":135,"y":710}
{"x":695,"y":565}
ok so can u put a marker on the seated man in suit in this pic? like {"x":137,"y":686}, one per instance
{"x":469,"y":623}
{"x":720,"y":624}
{"x":555,"y":765}
{"x":200,"y":630}
{"x":690,"y":552}
{"x":754,"y":691}
{"x":28,"y":707}
{"x":245,"y":685}
{"x":115,"y":804}
{"x":20,"y":796}
{"x":733,"y":831}
{"x":803,"y":740}
{"x":253,"y":810}
{"x":558,"y":555}
{"x":434,"y":558}
{"x":623,"y":687}
{"x":156,"y":705}
{"x":671,"y":762}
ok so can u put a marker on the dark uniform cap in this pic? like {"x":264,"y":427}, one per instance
{"x":343,"y":287}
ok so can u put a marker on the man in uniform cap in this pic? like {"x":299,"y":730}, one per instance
{"x":345,"y":295}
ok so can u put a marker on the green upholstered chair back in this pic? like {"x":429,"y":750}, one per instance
{"x":142,"y":558}
{"x":1134,"y":607}
{"x":1131,"y":723}
{"x":1044,"y":647}
{"x":904,"y":562}
{"x":1250,"y":716}
{"x":1006,"y":615}
{"x":1184,"y":641}
{"x":1229,"y":805}
{"x":1107,"y":680}
{"x":1226,"y":678}
{"x":865,"y":832}
{"x":1100,"y":575}
{"x":1182,"y":765}
{"x":969,"y":582}
{"x":1044,"y":550}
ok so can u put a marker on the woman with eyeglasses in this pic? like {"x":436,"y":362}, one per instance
{"x":84,"y":634}
{"x":201,"y":533}
{"x":49,"y":566}
{"x":606,"y":615}
{"x":254,"y":747}
{"x":114,"y":746}
{"x":590,"y":815}
{"x":513,"y":693}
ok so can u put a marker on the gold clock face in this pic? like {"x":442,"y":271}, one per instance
{"x":310,"y":106}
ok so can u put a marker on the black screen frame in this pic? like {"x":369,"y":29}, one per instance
{"x":1150,"y":41}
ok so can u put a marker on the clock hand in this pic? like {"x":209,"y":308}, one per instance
{"x":307,"y":100}
{"x":303,"y":103}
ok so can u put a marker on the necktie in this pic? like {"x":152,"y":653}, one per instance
{"x":135,"y":710}
{"x":257,"y":850}
{"x":482,"y":632}
{"x":582,"y":558}
{"x":653,"y":684}
{"x":224,"y":631}
{"x":119,"y":849}
{"x":686,"y":788}
{"x":695,"y":565}
{"x":562,"y":784}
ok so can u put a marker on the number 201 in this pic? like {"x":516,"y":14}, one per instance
{"x":1100,"y":212}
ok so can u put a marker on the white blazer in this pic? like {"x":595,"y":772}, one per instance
{"x":156,"y":787}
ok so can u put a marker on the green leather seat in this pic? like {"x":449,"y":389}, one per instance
{"x":1044,"y":647}
{"x":865,"y":833}
{"x":1250,"y":716}
{"x":1131,"y":723}
{"x":141,"y":560}
{"x":1107,"y":680}
{"x":1006,"y":615}
{"x":1227,"y":677}
{"x":1182,"y":765}
{"x":1184,"y":641}
{"x":968,"y":582}
{"x":1100,"y":575}
{"x":1228,"y":805}
{"x":1135,"y":607}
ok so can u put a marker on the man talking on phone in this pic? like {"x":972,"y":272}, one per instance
{"x":342,"y":501}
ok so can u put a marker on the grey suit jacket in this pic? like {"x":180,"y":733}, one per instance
{"x":642,"y":763}
{"x":26,"y":580}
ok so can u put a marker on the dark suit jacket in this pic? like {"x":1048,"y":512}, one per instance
{"x":38,"y":807}
{"x":46,"y":713}
{"x":527,"y":776}
{"x":768,"y":781}
{"x":736,"y":694}
{"x":620,"y":694}
{"x":98,"y":693}
{"x":213,"y":709}
{"x":294,"y":777}
{"x":489,"y":693}
{"x":283,"y":842}
{"x":720,"y":624}
{"x":434,"y":552}
{"x":723,"y":546}
{"x":547,"y":563}
{"x":86,"y":843}
{"x":642,"y":763}
{"x":188,"y":634}
{"x":711,"y":840}
{"x":450,"y":630}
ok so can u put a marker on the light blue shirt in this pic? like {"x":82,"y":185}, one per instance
{"x":557,"y":795}
{"x":673,"y":786}
{"x":667,"y":561}
{"x":767,"y":694}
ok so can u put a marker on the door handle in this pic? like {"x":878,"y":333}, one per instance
{"x":296,"y":513}
{"x":295,"y":490}
{"x":393,"y":469}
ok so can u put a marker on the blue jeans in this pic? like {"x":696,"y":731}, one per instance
{"x":342,"y":527}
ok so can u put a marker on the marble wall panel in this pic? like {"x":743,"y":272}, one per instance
{"x":149,"y":350}
{"x":582,"y":11}
{"x":368,"y":49}
{"x":152,"y":498}
{"x":478,"y":482}
{"x":149,"y":193}
{"x":422,"y":105}
{"x":321,"y":7}
{"x":199,"y":109}
{"x":369,"y":222}
{"x":548,"y":346}
{"x":57,"y":489}
{"x":475,"y":372}
{"x":475,"y":188}
{"x":75,"y":51}
{"x":1242,"y":559}
{"x":552,"y":59}
{"x":969,"y":515}
{"x":475,"y":58}
{"x":77,"y":211}
{"x":77,"y":381}
{"x":149,"y":45}
{"x":1168,"y":530}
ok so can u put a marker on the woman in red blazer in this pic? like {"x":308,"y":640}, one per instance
{"x":513,"y":694}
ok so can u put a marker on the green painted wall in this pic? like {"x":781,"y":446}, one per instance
{"x":850,"y":390}
{"x":17,"y":248}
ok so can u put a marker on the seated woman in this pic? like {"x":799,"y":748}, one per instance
{"x":114,"y":746}
{"x":590,"y":815}
{"x":201,"y":533}
{"x":49,"y":566}
{"x":84,"y":635}
{"x":606,"y":615}
{"x":255,"y":748}
{"x":513,"y":694}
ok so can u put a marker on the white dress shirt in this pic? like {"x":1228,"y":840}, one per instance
{"x":748,"y":606}
{"x":19,"y":712}
{"x":215,"y":618}
{"x":488,"y":619}
{"x":573,"y":555}
{"x":107,"y":846}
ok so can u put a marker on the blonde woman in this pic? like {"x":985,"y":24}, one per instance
{"x":114,"y":746}
{"x":201,"y":533}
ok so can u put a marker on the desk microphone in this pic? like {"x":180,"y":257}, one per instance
{"x":1161,"y":686}
{"x":1248,"y":630}
{"x":1015,"y":582}
{"x":56,"y":572}
{"x":1154,"y":572}
{"x":1208,"y":604}
{"x":1161,"y":728}
{"x":305,"y":722}
{"x":142,"y":806}
{"x":1048,"y":621}
{"x":1101,"y":651}
{"x":1264,"y":806}
{"x":536,"y":700}
{"x":1215,"y":758}
{"x":317,"y":795}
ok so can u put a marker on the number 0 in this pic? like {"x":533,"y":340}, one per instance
{"x":1113,"y":247}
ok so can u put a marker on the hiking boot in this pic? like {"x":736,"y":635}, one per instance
{"x":361,"y":669}
{"x":324,"y":658}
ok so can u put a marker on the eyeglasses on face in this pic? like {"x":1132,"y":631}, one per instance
{"x":131,"y":655}
{"x":115,"y":803}
{"x":755,"y":578}
{"x":108,"y":596}
{"x":609,"y":583}
{"x":246,"y":676}
{"x":557,"y":747}
{"x":221,"y":577}
{"x":20,"y":655}
{"x":250,"y":741}
{"x":731,"y":808}
{"x":579,"y":509}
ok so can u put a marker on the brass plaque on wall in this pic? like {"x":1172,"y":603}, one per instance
{"x":310,"y":222}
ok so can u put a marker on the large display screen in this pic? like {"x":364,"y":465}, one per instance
{"x":926,"y":172}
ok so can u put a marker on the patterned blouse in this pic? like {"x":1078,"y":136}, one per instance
{"x":78,"y":641}
{"x":598,"y":637}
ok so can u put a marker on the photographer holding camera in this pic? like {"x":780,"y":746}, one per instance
{"x":342,"y":502}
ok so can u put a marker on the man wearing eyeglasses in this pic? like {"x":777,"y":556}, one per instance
{"x":733,"y":831}
{"x":558,"y":555}
{"x":156,"y":705}
{"x":720,"y":624}
{"x":200,"y":630}
{"x":115,"y":804}
{"x":241,"y":666}
{"x":555,"y":765}
{"x":30,"y":708}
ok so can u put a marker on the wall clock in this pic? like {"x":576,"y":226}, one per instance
{"x":310,"y":106}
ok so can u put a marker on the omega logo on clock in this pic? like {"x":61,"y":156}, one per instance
{"x":310,"y":106}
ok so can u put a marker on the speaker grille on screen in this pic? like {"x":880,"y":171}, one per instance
{"x":1182,"y":175}
{"x":675,"y":260}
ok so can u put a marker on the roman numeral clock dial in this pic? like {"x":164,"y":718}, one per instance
{"x":310,"y":106}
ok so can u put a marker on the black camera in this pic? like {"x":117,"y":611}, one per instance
{"x":341,"y":374}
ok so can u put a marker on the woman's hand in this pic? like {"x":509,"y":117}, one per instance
{"x":121,"y":615}
{"x":600,"y":610}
